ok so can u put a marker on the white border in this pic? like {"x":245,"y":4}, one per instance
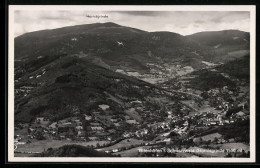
{"x":12,"y":8}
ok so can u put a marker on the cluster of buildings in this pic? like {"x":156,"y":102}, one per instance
{"x":24,"y":89}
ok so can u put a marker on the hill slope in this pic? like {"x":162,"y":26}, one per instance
{"x":68,"y":83}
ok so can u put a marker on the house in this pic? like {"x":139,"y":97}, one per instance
{"x":136,"y":102}
{"x":111,"y":130}
{"x":26,"y":88}
{"x":96,"y":112}
{"x":240,"y":114}
{"x":79,"y":127}
{"x":113,"y":120}
{"x":39,"y":119}
{"x":131,"y":121}
{"x":20,"y":143}
{"x":226,"y":122}
{"x":62,"y":135}
{"x":169,"y":115}
{"x":126,"y":135}
{"x":87,"y":117}
{"x":16,"y":90}
{"x":53,"y":125}
{"x":96,"y":128}
{"x":115,"y":150}
{"x":214,"y":122}
{"x":81,"y":133}
{"x":104,"y":107}
{"x":167,"y":140}
{"x":207,"y":123}
{"x":186,"y":123}
{"x":166,"y":134}
{"x":93,"y":138}
{"x":117,"y":124}
{"x":32,"y":130}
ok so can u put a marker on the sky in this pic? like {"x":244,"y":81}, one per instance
{"x":182,"y":22}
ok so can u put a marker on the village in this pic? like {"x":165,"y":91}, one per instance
{"x":164,"y":125}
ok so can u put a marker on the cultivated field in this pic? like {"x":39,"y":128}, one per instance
{"x":40,"y":146}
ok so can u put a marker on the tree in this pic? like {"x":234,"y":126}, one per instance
{"x":215,"y":140}
{"x":29,"y":130}
{"x":98,"y":145}
{"x":229,"y":155}
{"x":200,"y":140}
{"x":39,"y":135}
{"x":208,"y":142}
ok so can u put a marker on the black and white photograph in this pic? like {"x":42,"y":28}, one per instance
{"x":131,"y":83}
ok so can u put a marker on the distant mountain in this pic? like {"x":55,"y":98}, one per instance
{"x":229,"y":44}
{"x":114,"y":45}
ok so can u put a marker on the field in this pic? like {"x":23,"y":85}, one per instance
{"x":131,"y":112}
{"x":191,"y":104}
{"x":131,"y":152}
{"x":238,"y":54}
{"x":209,"y":109}
{"x":208,"y":137}
{"x":123,"y":143}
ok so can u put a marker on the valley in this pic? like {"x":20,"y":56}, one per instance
{"x":128,"y":92}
